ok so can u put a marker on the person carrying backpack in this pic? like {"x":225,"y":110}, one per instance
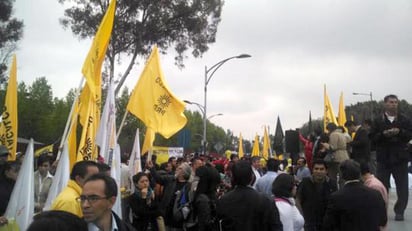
{"x":203,"y":205}
{"x":173,"y":186}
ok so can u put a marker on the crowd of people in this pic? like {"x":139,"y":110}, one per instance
{"x":331,"y":186}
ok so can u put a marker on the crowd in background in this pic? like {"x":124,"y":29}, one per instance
{"x":330,"y":186}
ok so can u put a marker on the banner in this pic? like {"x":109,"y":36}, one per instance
{"x":164,"y":153}
{"x":9,"y":123}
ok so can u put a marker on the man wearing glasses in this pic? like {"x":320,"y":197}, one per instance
{"x":67,"y":199}
{"x":97,"y":199}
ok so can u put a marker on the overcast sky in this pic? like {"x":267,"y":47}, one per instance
{"x":296,"y":48}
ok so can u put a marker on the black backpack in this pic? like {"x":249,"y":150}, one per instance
{"x":191,"y":223}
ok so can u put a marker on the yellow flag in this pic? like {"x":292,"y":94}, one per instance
{"x":266,"y":144}
{"x":329,"y":115}
{"x":93,"y":64}
{"x":90,"y":99}
{"x":153,"y":103}
{"x":89,"y":120}
{"x":9,"y":123}
{"x":85,"y":106}
{"x":240,"y":152}
{"x":45,"y":149}
{"x":148,"y":140}
{"x":341,"y":112}
{"x":255,"y":149}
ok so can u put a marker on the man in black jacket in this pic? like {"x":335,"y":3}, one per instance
{"x":391,"y":132}
{"x":245,"y":209}
{"x":172,"y":186}
{"x":355,"y":207}
{"x":313,"y":194}
{"x":97,"y":199}
{"x":360,"y":145}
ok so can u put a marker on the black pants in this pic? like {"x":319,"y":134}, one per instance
{"x":399,"y":172}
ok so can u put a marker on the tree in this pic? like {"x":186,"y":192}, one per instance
{"x":35,"y":111}
{"x":141,"y":23}
{"x":11,"y":31}
{"x":127,"y":135}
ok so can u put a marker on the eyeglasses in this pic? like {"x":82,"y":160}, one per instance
{"x":91,"y":199}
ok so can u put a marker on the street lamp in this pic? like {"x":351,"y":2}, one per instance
{"x":208,"y":75}
{"x":371,"y":99}
{"x":202,"y":109}
{"x":210,"y":117}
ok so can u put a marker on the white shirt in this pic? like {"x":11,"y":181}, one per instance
{"x":390,"y":118}
{"x":93,"y":227}
{"x":257,"y":176}
{"x":48,"y":175}
{"x":289,"y":215}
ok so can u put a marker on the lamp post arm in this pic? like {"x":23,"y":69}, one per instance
{"x":210,"y":117}
{"x":215,"y":67}
{"x":201,"y":108}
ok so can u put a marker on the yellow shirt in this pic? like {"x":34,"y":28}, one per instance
{"x":66,"y":200}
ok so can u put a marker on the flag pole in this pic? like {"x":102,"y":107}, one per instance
{"x":121,"y":125}
{"x":68,"y":123}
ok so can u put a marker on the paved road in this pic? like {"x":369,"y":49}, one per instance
{"x":405,"y":225}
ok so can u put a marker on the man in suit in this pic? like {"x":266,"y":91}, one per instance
{"x":97,"y":200}
{"x":360,"y":145}
{"x":391,"y":132}
{"x":355,"y":206}
{"x":256,"y":168}
{"x":243,"y":208}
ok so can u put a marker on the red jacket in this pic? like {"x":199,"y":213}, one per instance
{"x":308,"y":146}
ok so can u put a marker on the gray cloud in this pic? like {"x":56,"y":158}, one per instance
{"x":296,"y":47}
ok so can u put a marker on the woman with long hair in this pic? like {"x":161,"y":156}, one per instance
{"x":204,"y":199}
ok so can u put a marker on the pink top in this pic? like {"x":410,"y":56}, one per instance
{"x":372,"y":182}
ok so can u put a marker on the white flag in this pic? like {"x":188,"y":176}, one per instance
{"x":106,"y":139}
{"x":21,"y":204}
{"x":61,"y":177}
{"x":106,"y":134}
{"x":135,"y":164}
{"x":115,"y":173}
